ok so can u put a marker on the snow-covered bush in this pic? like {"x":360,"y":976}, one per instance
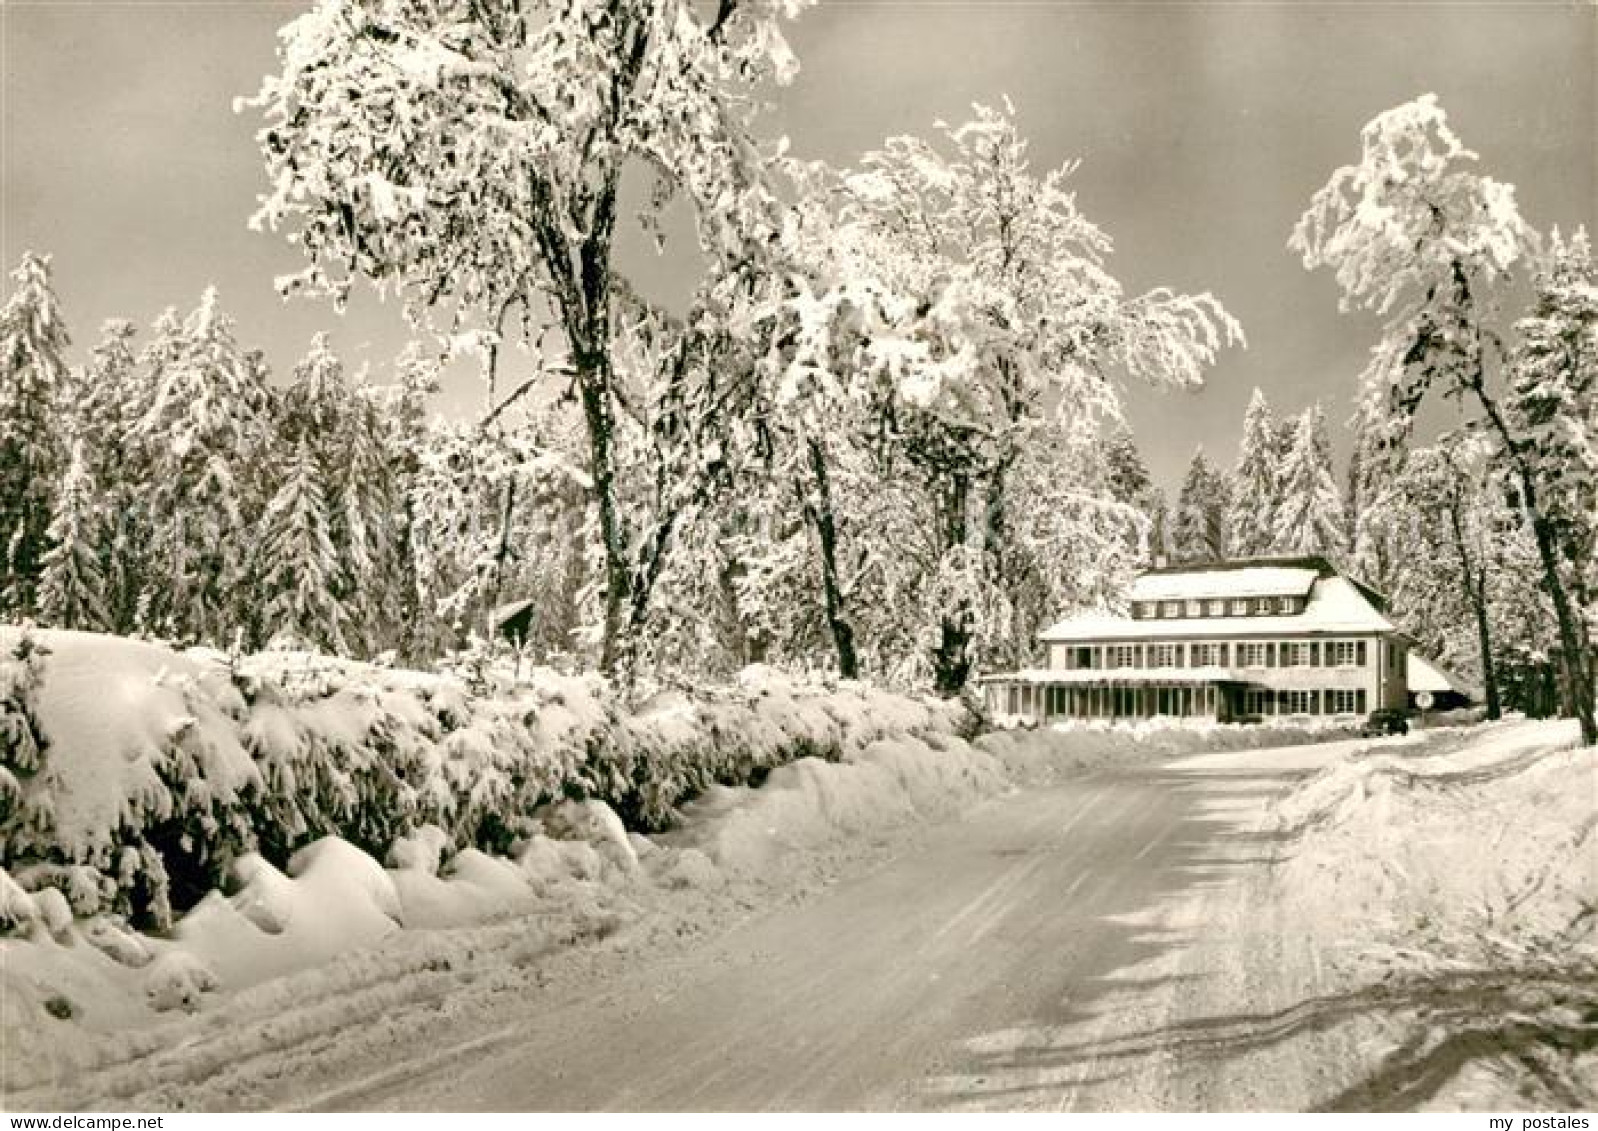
{"x":137,"y":779}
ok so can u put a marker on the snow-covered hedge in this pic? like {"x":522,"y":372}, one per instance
{"x":132,"y":776}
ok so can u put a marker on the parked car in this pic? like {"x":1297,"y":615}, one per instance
{"x":1386,"y":720}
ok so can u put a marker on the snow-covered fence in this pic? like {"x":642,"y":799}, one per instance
{"x":144,"y":772}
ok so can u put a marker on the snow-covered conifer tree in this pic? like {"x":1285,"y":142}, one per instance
{"x":298,"y":566}
{"x":112,"y":393}
{"x":1130,"y":484}
{"x":1255,"y":484}
{"x":1309,"y":517}
{"x":33,"y":338}
{"x":201,"y":438}
{"x":1198,"y":527}
{"x":71,"y":585}
{"x":1552,"y":407}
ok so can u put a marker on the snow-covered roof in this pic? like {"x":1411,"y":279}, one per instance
{"x":1335,"y":606}
{"x":1248,"y":581}
{"x":1428,"y":675}
{"x":508,"y":610}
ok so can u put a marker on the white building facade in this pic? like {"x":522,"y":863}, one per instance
{"x":1237,"y":641}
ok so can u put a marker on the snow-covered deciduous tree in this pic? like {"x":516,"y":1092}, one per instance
{"x":201,"y":440}
{"x":1255,"y":487}
{"x":33,"y":376}
{"x":1309,"y":515}
{"x":1448,"y":494}
{"x":986,"y":322}
{"x":472,"y":154}
{"x":1414,"y":233}
{"x":1198,"y":527}
{"x":71,"y":585}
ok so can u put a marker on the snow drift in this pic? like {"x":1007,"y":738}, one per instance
{"x":135,"y":778}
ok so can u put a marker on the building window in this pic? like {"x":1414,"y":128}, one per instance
{"x":1346,"y":653}
{"x":1171,"y":609}
{"x":1240,"y":606}
{"x":1295,"y":702}
{"x":1251,"y":655}
{"x":1204,"y":655}
{"x":1287,"y":605}
{"x":1341,"y":701}
{"x":1123,"y":656}
{"x":1295,"y":655}
{"x":1262,"y":606}
{"x":1163,"y":656}
{"x":1195,"y":608}
{"x":1216,"y":608}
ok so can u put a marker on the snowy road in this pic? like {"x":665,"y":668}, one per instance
{"x":1000,"y":961}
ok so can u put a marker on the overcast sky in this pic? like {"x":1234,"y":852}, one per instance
{"x":1203,"y":129}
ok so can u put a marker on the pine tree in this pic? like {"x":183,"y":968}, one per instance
{"x":201,"y":438}
{"x":1310,"y":517}
{"x":1198,"y":528}
{"x":1130,"y":484}
{"x":71,"y":586}
{"x":1552,"y":409}
{"x":114,"y":391}
{"x":32,"y":375}
{"x":298,"y":564}
{"x":1256,"y":483}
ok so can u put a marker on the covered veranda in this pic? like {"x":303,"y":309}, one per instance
{"x":1046,"y":696}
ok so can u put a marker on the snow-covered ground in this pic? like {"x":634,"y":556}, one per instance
{"x":1463,"y":884}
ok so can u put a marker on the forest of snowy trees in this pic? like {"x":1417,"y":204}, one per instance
{"x":883,"y":437}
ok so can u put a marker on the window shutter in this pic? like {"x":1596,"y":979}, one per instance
{"x":1359,"y":655}
{"x":1270,"y":654}
{"x":1315,"y":654}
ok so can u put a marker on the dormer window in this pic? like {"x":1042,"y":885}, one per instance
{"x":1262,"y":606}
{"x":1171,"y":609}
{"x":1195,"y":608}
{"x":1287,"y":605}
{"x":1148,"y":609}
{"x":1240,"y":606}
{"x":1217,"y":607}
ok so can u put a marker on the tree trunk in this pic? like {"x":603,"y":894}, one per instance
{"x":1575,"y":658}
{"x":951,"y":659}
{"x":821,"y":516}
{"x":593,"y":381}
{"x":1476,"y":591}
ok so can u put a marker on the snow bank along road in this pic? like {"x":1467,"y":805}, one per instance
{"x":1053,"y":949}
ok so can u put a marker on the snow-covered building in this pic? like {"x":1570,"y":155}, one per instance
{"x":1233,"y":641}
{"x":1442,"y":689}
